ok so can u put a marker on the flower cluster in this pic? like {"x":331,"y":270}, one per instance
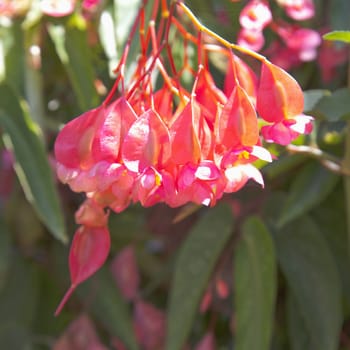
{"x":296,"y":44}
{"x":153,"y":140}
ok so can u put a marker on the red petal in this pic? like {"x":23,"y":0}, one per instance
{"x":238,"y":123}
{"x":73,"y":146}
{"x":185,"y":143}
{"x":279,"y":95}
{"x":208,"y":95}
{"x":119,"y":117}
{"x":88,"y":252}
{"x":147,"y":143}
{"x":246,"y":78}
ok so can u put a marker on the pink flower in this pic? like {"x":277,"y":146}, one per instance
{"x":302,"y":41}
{"x":57,"y":8}
{"x":89,"y":5}
{"x":298,"y":9}
{"x":255,"y":16}
{"x":251,"y":39}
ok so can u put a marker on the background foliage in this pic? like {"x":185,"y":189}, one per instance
{"x":264,"y":269}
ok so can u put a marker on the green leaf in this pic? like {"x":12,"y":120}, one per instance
{"x":298,"y":336}
{"x":32,"y":167}
{"x":5,"y":252}
{"x":13,"y":46}
{"x":312,"y":97}
{"x":108,"y":306}
{"x":283,"y":165}
{"x":75,"y":54}
{"x":335,"y":106}
{"x":313,"y":279}
{"x":18,"y":302}
{"x":339,"y":14}
{"x":255,"y":287}
{"x":311,"y":186}
{"x":194,"y":265}
{"x":331,"y":219}
{"x":338,"y":35}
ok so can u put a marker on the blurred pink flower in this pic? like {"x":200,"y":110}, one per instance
{"x":256,"y":15}
{"x":150,"y":324}
{"x":80,"y":335}
{"x":57,"y":8}
{"x":126,"y":273}
{"x":302,"y":41}
{"x":251,"y":39}
{"x":298,"y":9}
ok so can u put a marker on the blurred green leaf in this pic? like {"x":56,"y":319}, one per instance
{"x":297,"y":332}
{"x":338,"y":35}
{"x":18,"y":302}
{"x":339,"y":14}
{"x":335,"y":106}
{"x":73,"y":50}
{"x":32,"y":167}
{"x":14,"y":54}
{"x":312,"y":97}
{"x":313,"y":279}
{"x":283,"y":165}
{"x":108,"y":306}
{"x":311,"y":186}
{"x":331,"y":219}
{"x":193,"y":268}
{"x":255,"y":287}
{"x":5,"y":252}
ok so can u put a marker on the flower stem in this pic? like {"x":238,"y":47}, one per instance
{"x":217,"y":37}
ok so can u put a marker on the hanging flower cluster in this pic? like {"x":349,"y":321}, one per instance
{"x":155,"y":141}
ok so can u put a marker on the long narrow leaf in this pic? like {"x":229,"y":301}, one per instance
{"x":73,"y":50}
{"x":31,"y":165}
{"x":255,"y":287}
{"x":313,"y":279}
{"x":194,"y":265}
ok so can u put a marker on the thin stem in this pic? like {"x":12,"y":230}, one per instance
{"x":327,"y":160}
{"x":217,"y":37}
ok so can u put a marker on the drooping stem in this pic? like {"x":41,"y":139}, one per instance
{"x":216,"y":36}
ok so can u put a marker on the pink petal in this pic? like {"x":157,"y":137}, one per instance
{"x":88,"y":252}
{"x":147,"y":143}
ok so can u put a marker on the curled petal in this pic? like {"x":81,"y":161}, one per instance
{"x":280,"y":133}
{"x":237,"y":176}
